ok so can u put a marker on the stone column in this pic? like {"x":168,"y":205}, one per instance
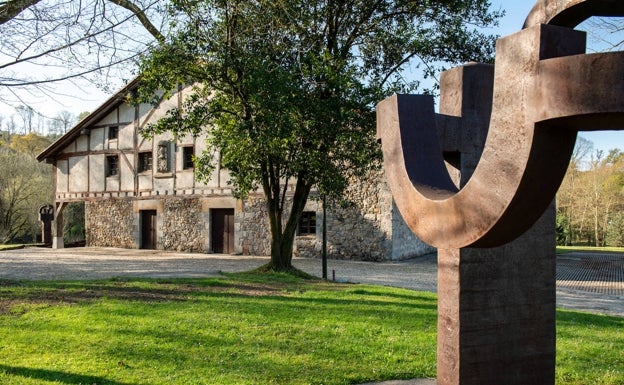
{"x":57,"y":227}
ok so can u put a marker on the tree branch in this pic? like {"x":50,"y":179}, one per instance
{"x":142,"y":18}
{"x":10,"y":9}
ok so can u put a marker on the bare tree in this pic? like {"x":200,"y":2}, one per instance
{"x":43,"y":42}
{"x":604,"y":33}
{"x":27,"y":114}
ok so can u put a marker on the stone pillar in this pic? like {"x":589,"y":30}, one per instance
{"x":57,"y":227}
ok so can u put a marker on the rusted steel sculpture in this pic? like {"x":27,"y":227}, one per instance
{"x":545,"y":89}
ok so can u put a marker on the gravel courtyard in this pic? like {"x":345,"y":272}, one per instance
{"x":587,"y":282}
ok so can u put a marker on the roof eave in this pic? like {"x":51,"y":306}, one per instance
{"x":49,"y":154}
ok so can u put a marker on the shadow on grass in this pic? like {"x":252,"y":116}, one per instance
{"x":73,"y":292}
{"x":57,"y":376}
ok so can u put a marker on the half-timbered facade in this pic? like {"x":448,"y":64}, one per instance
{"x":142,"y":193}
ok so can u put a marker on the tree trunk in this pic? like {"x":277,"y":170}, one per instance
{"x":283,"y":237}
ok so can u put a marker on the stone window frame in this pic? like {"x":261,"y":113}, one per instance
{"x":187,"y":157}
{"x":112,"y":165}
{"x":145,"y":161}
{"x":307,"y":223}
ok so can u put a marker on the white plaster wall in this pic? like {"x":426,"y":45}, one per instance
{"x":163,"y":185}
{"x":97,"y":173}
{"x":97,"y":139}
{"x":82,"y":143}
{"x":145,"y":144}
{"x":184,"y":179}
{"x":126,"y":113}
{"x":70,"y":148}
{"x":112,"y":183}
{"x":144,"y":110}
{"x":145,"y":181}
{"x":110,"y":118}
{"x":159,"y":111}
{"x":126,"y":170}
{"x":62,"y":175}
{"x":126,"y":137}
{"x":78,"y":173}
{"x":224,"y":178}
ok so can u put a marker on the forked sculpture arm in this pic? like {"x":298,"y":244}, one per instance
{"x":545,"y":90}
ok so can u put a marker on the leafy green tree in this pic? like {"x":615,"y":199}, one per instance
{"x":615,"y":230}
{"x":286,"y":90}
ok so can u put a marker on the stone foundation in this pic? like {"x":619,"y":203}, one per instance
{"x":184,"y":225}
{"x":110,"y":223}
{"x":366,"y":226}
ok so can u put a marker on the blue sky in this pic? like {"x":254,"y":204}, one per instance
{"x":88,"y":97}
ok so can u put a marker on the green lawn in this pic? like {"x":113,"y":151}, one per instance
{"x":247,"y":329}
{"x":589,"y":249}
{"x":10,"y":247}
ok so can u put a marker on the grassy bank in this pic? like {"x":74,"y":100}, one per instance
{"x":248,"y":329}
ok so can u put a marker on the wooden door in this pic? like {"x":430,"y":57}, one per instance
{"x":223,"y":231}
{"x":149,"y":228}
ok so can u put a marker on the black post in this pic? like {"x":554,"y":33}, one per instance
{"x":324,"y":250}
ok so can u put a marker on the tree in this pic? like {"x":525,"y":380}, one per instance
{"x":605,"y":33}
{"x":80,"y":39}
{"x":25,"y":185}
{"x":30,"y":144}
{"x":61,"y":123}
{"x":568,"y":211}
{"x":591,"y":196}
{"x":285,"y":90}
{"x":27,"y":114}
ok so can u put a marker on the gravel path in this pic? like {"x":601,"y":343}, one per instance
{"x":593,"y":283}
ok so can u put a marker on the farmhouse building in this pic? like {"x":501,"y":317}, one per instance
{"x":142,"y":193}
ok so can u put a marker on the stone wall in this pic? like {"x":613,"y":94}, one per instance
{"x":251,"y":224}
{"x":404,"y":243}
{"x":110,"y":223}
{"x":366,"y":226}
{"x":184,"y":225}
{"x":361,"y":227}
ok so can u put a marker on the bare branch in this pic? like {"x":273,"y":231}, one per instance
{"x":138,"y":12}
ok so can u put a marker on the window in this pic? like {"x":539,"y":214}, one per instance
{"x":113,"y":132}
{"x":112,"y":165}
{"x":307,"y":223}
{"x":187,"y":157}
{"x":145,"y":161}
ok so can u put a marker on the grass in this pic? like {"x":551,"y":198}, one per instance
{"x":589,"y":249}
{"x":11,"y":247}
{"x":249,"y":329}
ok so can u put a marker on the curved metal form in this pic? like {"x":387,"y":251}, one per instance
{"x":545,"y":90}
{"x":570,"y":13}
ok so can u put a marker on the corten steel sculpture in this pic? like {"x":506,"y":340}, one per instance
{"x":496,"y":306}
